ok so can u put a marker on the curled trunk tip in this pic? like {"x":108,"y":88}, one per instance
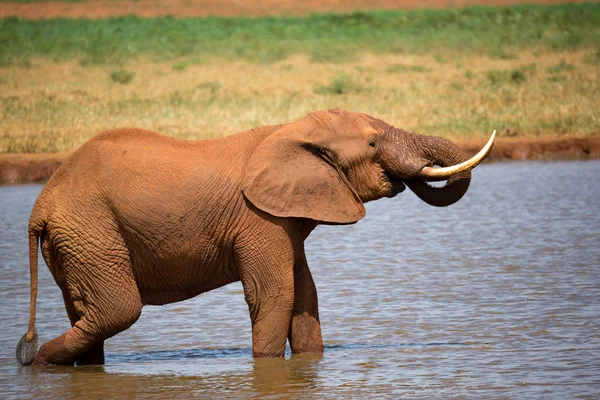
{"x":440,"y":174}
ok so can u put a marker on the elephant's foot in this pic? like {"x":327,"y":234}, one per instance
{"x":55,"y":352}
{"x":71,"y":346}
{"x":40,"y":358}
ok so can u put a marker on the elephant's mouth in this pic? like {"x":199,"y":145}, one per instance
{"x":396,"y":184}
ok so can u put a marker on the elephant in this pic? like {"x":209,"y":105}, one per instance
{"x":134,"y":218}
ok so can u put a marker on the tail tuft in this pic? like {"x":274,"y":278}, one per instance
{"x":26,"y":350}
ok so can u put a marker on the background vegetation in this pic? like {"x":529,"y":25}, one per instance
{"x":329,"y":37}
{"x":525,"y":70}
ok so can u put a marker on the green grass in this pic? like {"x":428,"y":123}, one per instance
{"x":457,"y":73}
{"x":496,"y":32}
{"x":562,"y":66}
{"x":344,"y":84}
{"x":341,"y":84}
{"x":122,"y":76}
{"x":179,"y":66}
{"x":398,"y":68}
{"x":593,"y":58}
{"x":497,"y":77}
{"x":515,"y":76}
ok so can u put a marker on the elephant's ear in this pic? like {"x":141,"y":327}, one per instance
{"x":289,"y":175}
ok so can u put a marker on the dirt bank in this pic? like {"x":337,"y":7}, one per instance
{"x":230,"y":8}
{"x":25,"y":168}
{"x":545,"y":149}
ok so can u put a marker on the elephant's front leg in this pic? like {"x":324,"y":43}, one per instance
{"x":266,"y":272}
{"x":305,"y":330}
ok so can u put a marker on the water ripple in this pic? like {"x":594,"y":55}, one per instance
{"x":496,"y":296}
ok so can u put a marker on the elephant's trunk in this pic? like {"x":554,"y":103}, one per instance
{"x":412,"y":158}
{"x":441,"y":174}
{"x":443,"y":153}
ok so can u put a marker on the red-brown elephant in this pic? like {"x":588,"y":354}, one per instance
{"x":135,"y":218}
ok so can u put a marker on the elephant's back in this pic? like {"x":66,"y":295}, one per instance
{"x":132,"y":149}
{"x":129,"y":171}
{"x":122,"y":157}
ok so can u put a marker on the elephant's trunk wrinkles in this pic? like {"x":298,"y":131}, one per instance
{"x":431,"y":174}
{"x":411,"y":158}
{"x":441,"y":152}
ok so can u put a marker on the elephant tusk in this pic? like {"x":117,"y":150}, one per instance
{"x":441,"y":174}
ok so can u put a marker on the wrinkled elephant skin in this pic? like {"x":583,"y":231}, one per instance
{"x":135,"y":218}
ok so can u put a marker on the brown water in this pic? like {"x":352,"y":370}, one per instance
{"x":510,"y":308}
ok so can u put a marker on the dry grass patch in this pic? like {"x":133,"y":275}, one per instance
{"x":49,"y":107}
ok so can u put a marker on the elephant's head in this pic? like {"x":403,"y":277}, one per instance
{"x":327,"y":164}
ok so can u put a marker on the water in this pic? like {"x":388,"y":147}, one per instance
{"x":496,"y":296}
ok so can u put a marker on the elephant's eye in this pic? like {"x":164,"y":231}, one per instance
{"x":373,"y":143}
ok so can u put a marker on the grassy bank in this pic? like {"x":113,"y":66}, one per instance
{"x":495,"y":32}
{"x":528,"y":71}
{"x":55,"y":107}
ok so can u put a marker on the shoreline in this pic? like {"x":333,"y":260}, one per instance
{"x":18,"y":168}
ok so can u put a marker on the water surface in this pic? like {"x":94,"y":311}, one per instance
{"x":496,"y":296}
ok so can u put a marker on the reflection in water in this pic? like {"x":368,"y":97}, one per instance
{"x":271,"y":376}
{"x":496,"y":296}
{"x":259,"y":377}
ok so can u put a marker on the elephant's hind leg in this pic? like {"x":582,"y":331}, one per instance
{"x":104,"y":305}
{"x":96,"y":354}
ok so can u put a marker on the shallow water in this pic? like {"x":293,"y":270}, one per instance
{"x":496,"y":296}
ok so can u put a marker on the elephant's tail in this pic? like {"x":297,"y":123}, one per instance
{"x":27,"y":347}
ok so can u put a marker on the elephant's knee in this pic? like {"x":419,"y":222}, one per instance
{"x":264,"y":297}
{"x":279,"y":303}
{"x":118,"y":322}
